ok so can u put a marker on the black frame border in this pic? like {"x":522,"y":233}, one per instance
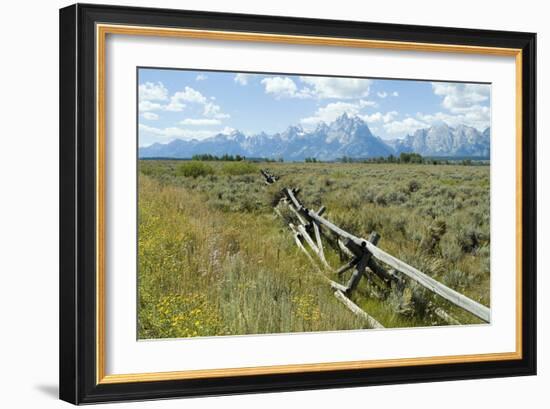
{"x":78,"y":197}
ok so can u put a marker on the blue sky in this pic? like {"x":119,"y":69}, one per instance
{"x":182,"y":104}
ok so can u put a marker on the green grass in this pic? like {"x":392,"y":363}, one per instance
{"x":194,"y":169}
{"x":215,"y":260}
{"x":239,"y":168}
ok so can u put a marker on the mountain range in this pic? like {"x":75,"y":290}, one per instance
{"x":346,"y":136}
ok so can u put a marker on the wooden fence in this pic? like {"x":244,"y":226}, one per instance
{"x":365,"y":259}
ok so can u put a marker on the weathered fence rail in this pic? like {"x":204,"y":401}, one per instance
{"x":366,"y":257}
{"x":426,"y":281}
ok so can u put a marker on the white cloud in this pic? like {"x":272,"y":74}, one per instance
{"x":344,"y":88}
{"x":365,"y":103}
{"x":395,"y":94}
{"x":150,"y":91}
{"x":201,"y":77}
{"x":317,"y":87}
{"x":282,"y":87}
{"x":214,"y":111}
{"x":193,"y":96}
{"x":242,"y":79}
{"x":379,"y":117}
{"x":382,"y":94}
{"x":145,"y":106}
{"x":405,"y":126}
{"x":149,"y":134}
{"x":174,"y":106}
{"x":200,"y":121}
{"x":333,"y":110}
{"x":166,"y":133}
{"x":151,"y":116}
{"x":187,"y":95}
{"x":466,"y":105}
{"x":458,"y":98}
{"x":227,"y":130}
{"x":330,"y":112}
{"x":479,"y":118}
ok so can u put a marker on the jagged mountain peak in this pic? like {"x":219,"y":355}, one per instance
{"x":443,"y":140}
{"x":347,"y":135}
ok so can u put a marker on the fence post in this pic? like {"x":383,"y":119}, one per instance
{"x":361,"y":265}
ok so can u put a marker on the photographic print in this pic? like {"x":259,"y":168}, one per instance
{"x":281,"y":203}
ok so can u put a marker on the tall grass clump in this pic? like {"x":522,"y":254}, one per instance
{"x":194,"y":169}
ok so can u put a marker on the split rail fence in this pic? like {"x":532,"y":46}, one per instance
{"x":365,"y":259}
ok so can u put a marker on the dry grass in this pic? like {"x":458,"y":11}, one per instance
{"x":214,"y":260}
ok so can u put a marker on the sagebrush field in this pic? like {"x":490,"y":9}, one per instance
{"x":214,"y":258}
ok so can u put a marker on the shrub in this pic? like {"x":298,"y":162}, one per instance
{"x":457,"y":279}
{"x":451,"y":250}
{"x":239,"y":168}
{"x":414,"y":186}
{"x":194,"y":169}
{"x":396,"y":197}
{"x":381,"y":200}
{"x":468,"y":238}
{"x":274,"y":194}
{"x":433,"y":235}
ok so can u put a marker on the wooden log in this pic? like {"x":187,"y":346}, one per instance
{"x":298,"y":216}
{"x":371,"y":322}
{"x":278,"y":212}
{"x":269,"y":178}
{"x":350,"y":264}
{"x":375,"y":280}
{"x":291,"y":194}
{"x":460,"y":300}
{"x":361,"y":265}
{"x":354,"y":248}
{"x":319,"y":243}
{"x":344,"y":249}
{"x":307,"y":238}
{"x":380,"y":272}
{"x":331,"y":226}
{"x":357,"y":274}
{"x":442,"y":314}
{"x":297,"y":236}
{"x":337,"y":286}
{"x":319,"y":272}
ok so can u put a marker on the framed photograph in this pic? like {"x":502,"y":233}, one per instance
{"x":257,"y":203}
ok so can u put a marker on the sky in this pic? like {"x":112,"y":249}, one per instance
{"x":184,"y":104}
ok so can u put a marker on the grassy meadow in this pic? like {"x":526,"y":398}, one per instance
{"x":214,"y":258}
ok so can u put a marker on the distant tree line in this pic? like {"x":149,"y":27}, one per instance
{"x":414,"y":158}
{"x":206,"y":157}
{"x":404,"y":158}
{"x":225,"y":157}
